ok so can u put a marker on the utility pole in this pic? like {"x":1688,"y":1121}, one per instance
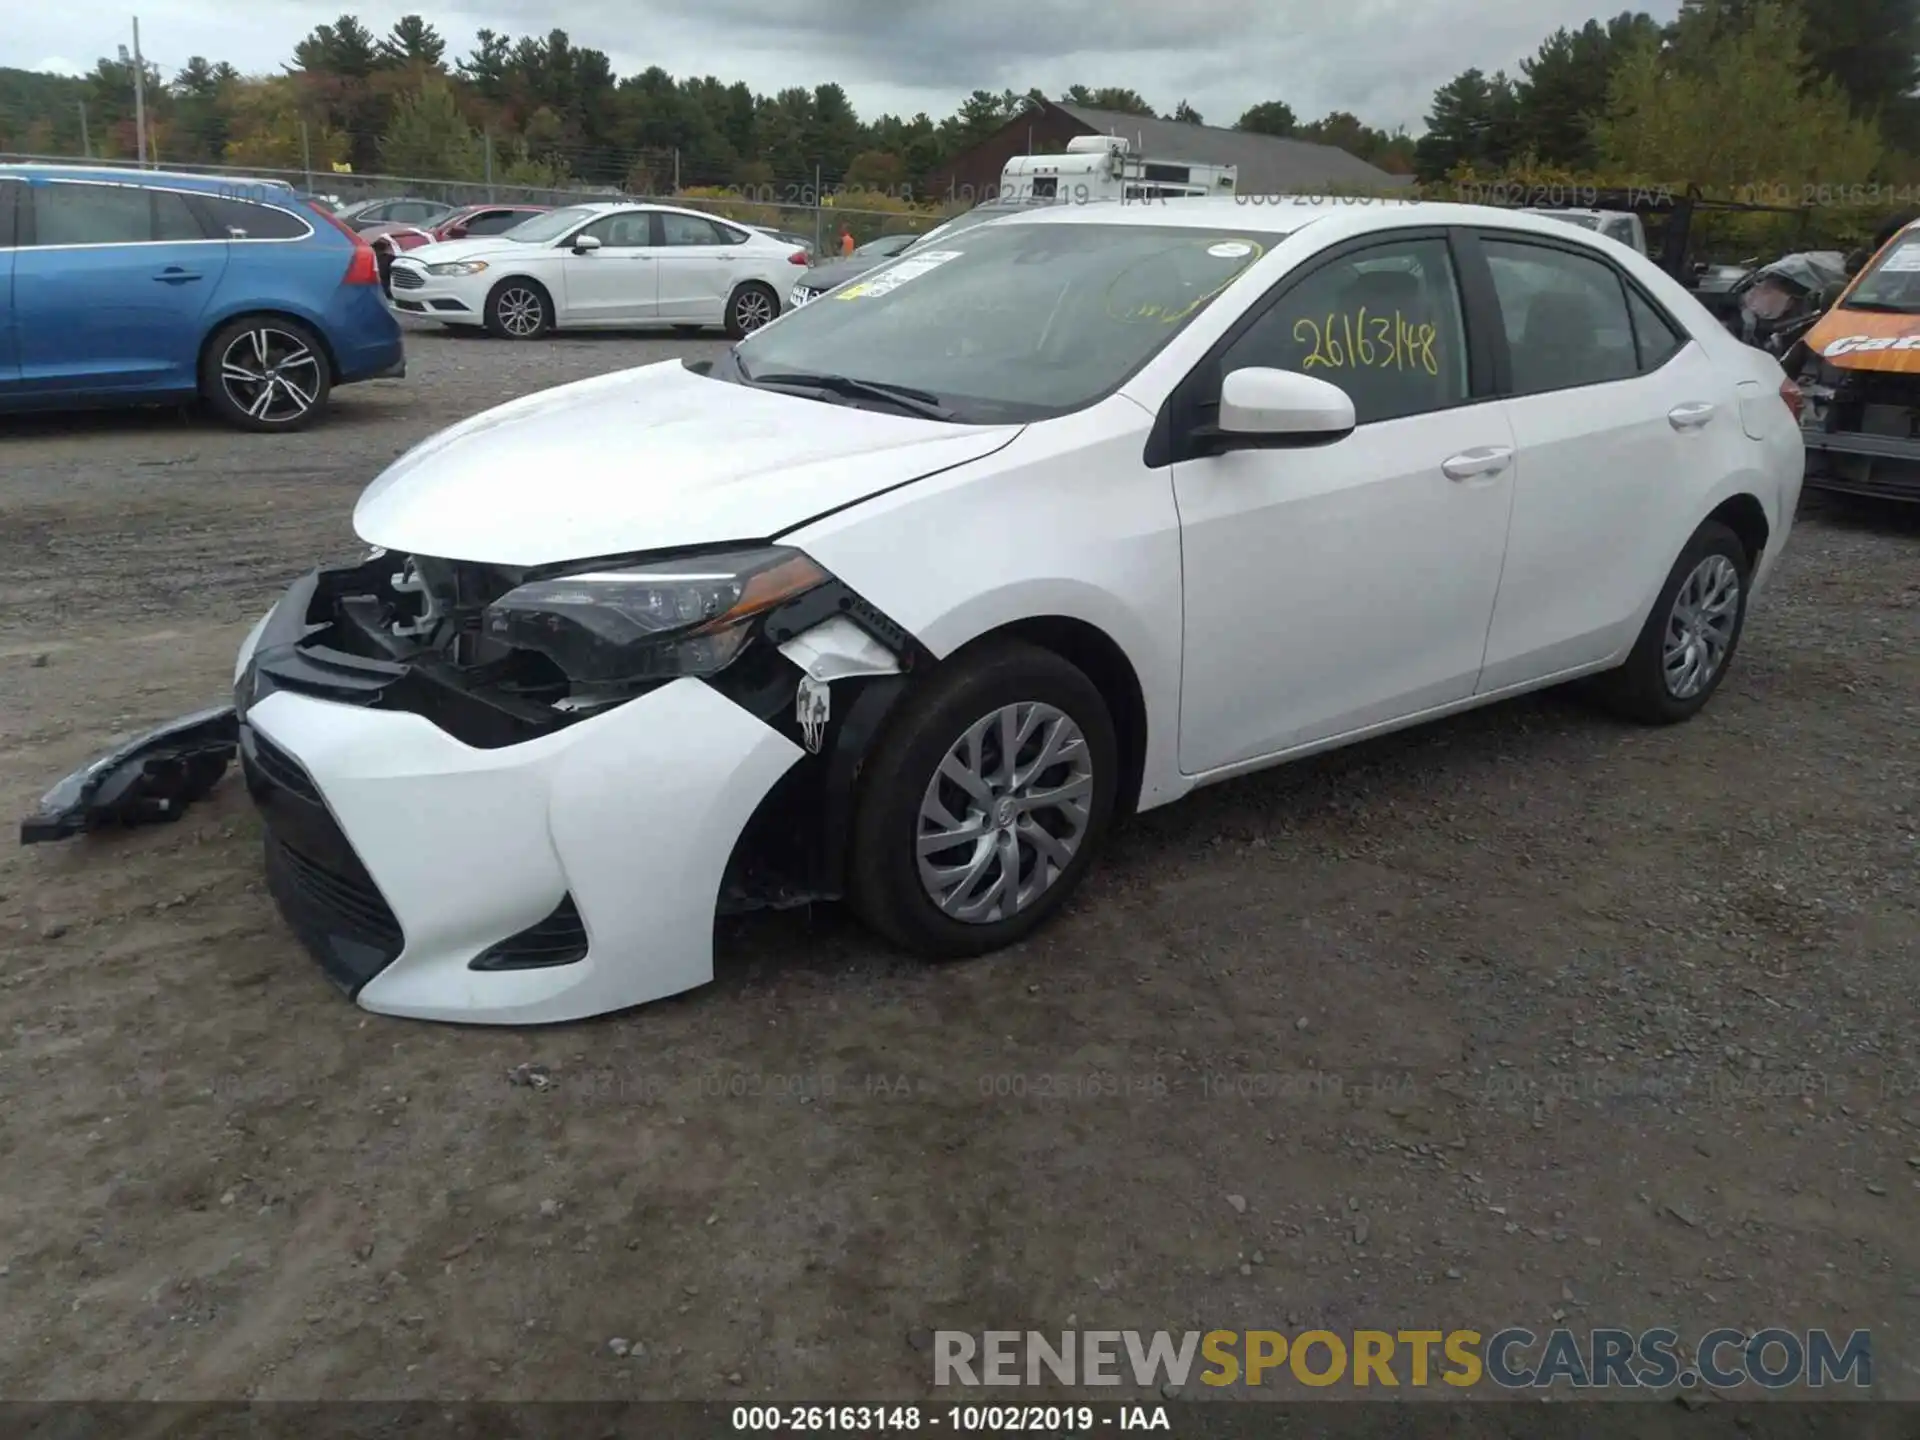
{"x":491,"y":197}
{"x":676,"y":169}
{"x":819,"y":215}
{"x":306,"y":156}
{"x":139,"y":97}
{"x":86,"y":144}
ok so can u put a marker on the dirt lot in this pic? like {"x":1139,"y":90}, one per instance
{"x":1523,"y":1017}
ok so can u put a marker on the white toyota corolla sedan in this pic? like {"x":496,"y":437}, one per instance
{"x":603,"y":266}
{"x":917,"y":590}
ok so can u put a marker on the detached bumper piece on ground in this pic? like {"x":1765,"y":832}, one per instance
{"x":149,"y":780}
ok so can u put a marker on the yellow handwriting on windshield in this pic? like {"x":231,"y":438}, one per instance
{"x":1171,"y":312}
{"x":1346,"y":340}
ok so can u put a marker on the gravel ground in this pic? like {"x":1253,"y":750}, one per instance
{"x":1521,"y":1019}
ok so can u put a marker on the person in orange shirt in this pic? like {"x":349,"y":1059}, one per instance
{"x":846,"y":241}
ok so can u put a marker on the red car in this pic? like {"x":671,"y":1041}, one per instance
{"x":391,"y":240}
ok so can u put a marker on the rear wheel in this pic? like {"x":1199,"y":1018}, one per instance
{"x":265,"y":372}
{"x":752,"y":306}
{"x":1690,"y":637}
{"x":519,"y":310}
{"x":984,"y":804}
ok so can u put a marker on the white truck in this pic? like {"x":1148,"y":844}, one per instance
{"x":1103,"y":167}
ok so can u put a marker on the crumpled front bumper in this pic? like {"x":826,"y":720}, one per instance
{"x":402,"y":857}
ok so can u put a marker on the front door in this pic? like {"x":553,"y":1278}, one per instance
{"x":696,"y":269}
{"x":618,"y":283}
{"x":109,"y":286}
{"x":1335,"y":588}
{"x":11,"y":192}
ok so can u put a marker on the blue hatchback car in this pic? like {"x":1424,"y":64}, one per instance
{"x":140,"y":287}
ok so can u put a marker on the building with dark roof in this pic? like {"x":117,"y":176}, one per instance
{"x":1267,"y":164}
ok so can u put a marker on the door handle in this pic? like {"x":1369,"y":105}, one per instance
{"x":1471,"y":464}
{"x":1690,"y":416}
{"x":174,"y":275}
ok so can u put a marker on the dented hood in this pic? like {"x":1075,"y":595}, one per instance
{"x":647,"y":459}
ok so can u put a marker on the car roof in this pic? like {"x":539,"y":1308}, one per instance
{"x":130,"y":175}
{"x":1279,"y":214}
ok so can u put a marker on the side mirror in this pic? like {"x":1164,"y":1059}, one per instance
{"x":1267,"y":409}
{"x":585,"y":244}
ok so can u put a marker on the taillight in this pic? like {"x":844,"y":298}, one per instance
{"x":1796,"y":402}
{"x":364,"y":267}
{"x":798,"y":257}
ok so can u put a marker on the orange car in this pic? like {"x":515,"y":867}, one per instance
{"x":1859,"y":371}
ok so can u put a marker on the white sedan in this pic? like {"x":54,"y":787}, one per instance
{"x":604,"y":266}
{"x":917,"y":590}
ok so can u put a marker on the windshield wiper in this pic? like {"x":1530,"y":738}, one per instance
{"x":1881,"y":307}
{"x":920,"y":402}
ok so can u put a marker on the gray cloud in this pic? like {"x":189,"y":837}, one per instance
{"x":1380,"y":59}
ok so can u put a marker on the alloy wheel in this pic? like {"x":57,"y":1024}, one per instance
{"x":1005,"y":812}
{"x":271,"y":375}
{"x":1700,"y":626}
{"x":751,"y":310}
{"x":521,"y":311}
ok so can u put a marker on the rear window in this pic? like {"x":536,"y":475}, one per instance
{"x":243,"y":220}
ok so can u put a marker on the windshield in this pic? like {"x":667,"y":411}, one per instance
{"x":1585,"y":222}
{"x":1011,"y":323}
{"x":550,"y":226}
{"x":964,"y":222}
{"x":886,"y":245}
{"x":1893,"y":282}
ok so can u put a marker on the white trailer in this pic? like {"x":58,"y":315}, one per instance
{"x":1103,"y":167}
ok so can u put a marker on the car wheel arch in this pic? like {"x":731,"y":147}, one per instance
{"x":307,"y":323}
{"x":1743,"y":514}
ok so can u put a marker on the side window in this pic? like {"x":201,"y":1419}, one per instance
{"x":731,"y":236}
{"x":414,"y":212}
{"x":88,"y":214}
{"x":629,"y":230}
{"x":10,"y":193}
{"x":1382,"y":323}
{"x":1565,"y":317}
{"x":492,"y":222}
{"x":173,"y":218}
{"x":678,"y":229}
{"x":1655,"y":336}
{"x":239,"y":220}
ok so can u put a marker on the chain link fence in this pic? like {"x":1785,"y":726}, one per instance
{"x":809,"y":213}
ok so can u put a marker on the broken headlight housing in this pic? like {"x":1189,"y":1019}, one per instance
{"x":634,"y":624}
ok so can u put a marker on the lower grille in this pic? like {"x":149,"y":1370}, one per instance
{"x":560,"y":939}
{"x":408,"y":277}
{"x":347,"y":926}
{"x":282,"y":769}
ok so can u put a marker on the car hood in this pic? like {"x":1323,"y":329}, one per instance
{"x":477,"y":249}
{"x":838,"y":272}
{"x":647,"y":459}
{"x":1868,"y":340}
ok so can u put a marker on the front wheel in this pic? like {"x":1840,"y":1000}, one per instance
{"x":984,"y":804}
{"x":1690,"y":636}
{"x":519,"y":310}
{"x":752,"y":306}
{"x":266,"y":373}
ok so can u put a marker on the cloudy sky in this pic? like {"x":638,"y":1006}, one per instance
{"x":1380,"y":59}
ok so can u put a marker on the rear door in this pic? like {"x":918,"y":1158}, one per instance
{"x":110,"y":282}
{"x":10,"y":192}
{"x":1616,"y":414}
{"x":696,"y":267}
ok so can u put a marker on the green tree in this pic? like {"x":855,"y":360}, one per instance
{"x":345,"y":47}
{"x":1474,"y":120}
{"x":413,"y":42}
{"x":485,"y":68}
{"x":1563,"y":86}
{"x":1744,"y":110}
{"x":1269,"y":117}
{"x":430,"y":137}
{"x":1186,"y":114}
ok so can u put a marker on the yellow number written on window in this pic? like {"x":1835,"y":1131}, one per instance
{"x":1358,"y":340}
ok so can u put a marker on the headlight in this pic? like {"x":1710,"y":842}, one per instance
{"x":458,"y":267}
{"x":651,"y":622}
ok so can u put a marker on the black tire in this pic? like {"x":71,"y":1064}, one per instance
{"x":1640,"y":690}
{"x":883,"y":867}
{"x":383,"y":261}
{"x":512,"y":303}
{"x":742,"y":309}
{"x":688,"y":329}
{"x":272,"y":347}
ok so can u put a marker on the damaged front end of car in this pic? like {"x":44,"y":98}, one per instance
{"x":149,"y":780}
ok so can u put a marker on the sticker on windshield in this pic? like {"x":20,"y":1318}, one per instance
{"x":1230,"y":249}
{"x":1903,"y":260}
{"x":896,"y":275}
